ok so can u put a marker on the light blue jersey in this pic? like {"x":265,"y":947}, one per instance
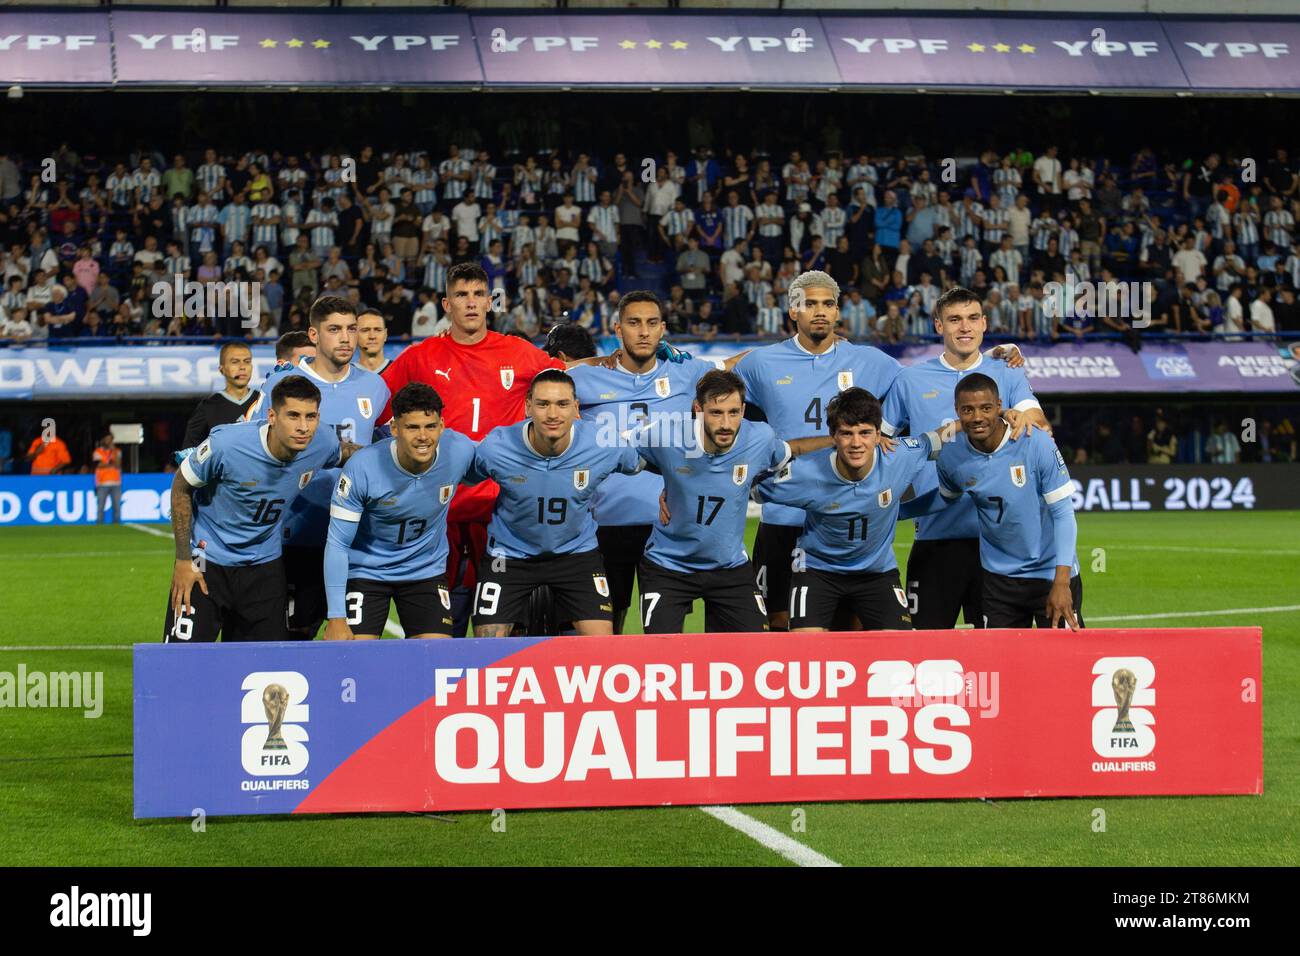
{"x":1022,"y":496}
{"x":922,"y":400}
{"x":243,"y":491}
{"x":349,"y":407}
{"x":387,"y":524}
{"x":616,"y":400}
{"x":544,"y":506}
{"x":708,"y":496}
{"x":793,"y":386}
{"x":849,"y":525}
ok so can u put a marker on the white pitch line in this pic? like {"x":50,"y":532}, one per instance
{"x":1171,"y":547}
{"x":67,"y":647}
{"x":393,"y":628}
{"x":1231,"y":610}
{"x":78,"y":554}
{"x":774,"y":840}
{"x":156,"y":532}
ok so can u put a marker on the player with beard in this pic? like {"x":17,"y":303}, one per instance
{"x":372,"y":334}
{"x":351,"y":398}
{"x":943,"y":567}
{"x":483,"y":379}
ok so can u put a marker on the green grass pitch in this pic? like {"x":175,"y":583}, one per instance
{"x":65,"y":781}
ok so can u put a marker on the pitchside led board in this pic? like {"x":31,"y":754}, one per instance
{"x":481,"y":724}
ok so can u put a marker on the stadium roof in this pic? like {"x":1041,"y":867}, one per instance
{"x":406,"y":49}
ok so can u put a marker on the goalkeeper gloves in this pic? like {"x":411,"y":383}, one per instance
{"x":667,"y":352}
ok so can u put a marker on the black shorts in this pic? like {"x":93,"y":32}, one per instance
{"x":304,"y":572}
{"x":242,"y":604}
{"x":622,"y":546}
{"x":875,"y":597}
{"x":944,"y":577}
{"x":423,"y":607}
{"x":774,"y":546}
{"x":1022,"y":602}
{"x":732,"y":601}
{"x":577,"y":582}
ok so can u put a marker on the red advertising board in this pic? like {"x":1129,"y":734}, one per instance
{"x":755,"y":718}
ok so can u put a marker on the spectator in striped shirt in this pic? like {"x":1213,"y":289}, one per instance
{"x":676,"y":226}
{"x":596,"y":267}
{"x":455,"y":175}
{"x":1278,"y":223}
{"x":583,"y":176}
{"x":235,"y":220}
{"x":1245,"y":223}
{"x":737,"y":221}
{"x":211,"y":175}
{"x":201,"y":218}
{"x":121,"y":187}
{"x":147,"y":180}
{"x":484,"y":175}
{"x":834,"y":220}
{"x":603,"y":221}
{"x":971,"y":261}
{"x":424,"y":182}
{"x":436,"y":262}
{"x":770,"y":322}
{"x":857,"y":316}
{"x":320,"y":225}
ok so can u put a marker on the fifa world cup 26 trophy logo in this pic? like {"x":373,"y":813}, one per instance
{"x":276,"y":701}
{"x":1123,"y":683}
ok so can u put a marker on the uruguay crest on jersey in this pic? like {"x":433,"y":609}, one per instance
{"x":581,"y":476}
{"x":1018,"y":475}
{"x":845,"y":379}
{"x":507,"y":377}
{"x":444,"y":494}
{"x":885,"y":497}
{"x":663,"y":387}
{"x":739,"y":473}
{"x":304,"y":478}
{"x":365,"y":406}
{"x":602,"y":585}
{"x":445,"y":596}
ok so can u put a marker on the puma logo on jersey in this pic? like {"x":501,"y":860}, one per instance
{"x":446,"y":374}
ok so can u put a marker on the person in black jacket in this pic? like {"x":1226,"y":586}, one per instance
{"x":228,"y":405}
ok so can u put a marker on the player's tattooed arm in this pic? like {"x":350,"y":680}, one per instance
{"x":492,"y":630}
{"x":186,"y":572}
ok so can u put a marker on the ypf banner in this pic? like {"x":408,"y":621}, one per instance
{"x":694,"y":719}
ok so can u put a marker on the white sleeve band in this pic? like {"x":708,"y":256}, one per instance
{"x":187,"y":472}
{"x":1052,"y":497}
{"x":888,"y":429}
{"x":719,"y":364}
{"x":788,"y":455}
{"x":1026,"y":404}
{"x":344,"y":514}
{"x":936,"y":444}
{"x":950,"y":495}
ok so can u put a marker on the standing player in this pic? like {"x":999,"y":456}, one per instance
{"x":943,"y":568}
{"x":483,"y":377}
{"x":1021,"y":492}
{"x":235,"y":362}
{"x":845,"y":558}
{"x":351,"y":398}
{"x":388,"y":525}
{"x":700,"y":551}
{"x":228,"y":500}
{"x":638,"y":389}
{"x":791,"y":381}
{"x":542,"y":532}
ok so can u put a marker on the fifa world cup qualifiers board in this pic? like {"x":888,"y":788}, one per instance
{"x":327,"y":727}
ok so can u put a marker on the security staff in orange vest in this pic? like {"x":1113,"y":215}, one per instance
{"x":108,"y":478}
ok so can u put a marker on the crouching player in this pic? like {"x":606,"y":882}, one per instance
{"x":388,"y":525}
{"x":542,"y":532}
{"x":1022,"y":496}
{"x":850,"y":498}
{"x":228,"y":502}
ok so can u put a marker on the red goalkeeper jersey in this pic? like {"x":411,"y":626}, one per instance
{"x":481,"y":386}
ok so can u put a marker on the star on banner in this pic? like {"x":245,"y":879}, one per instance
{"x":1002,"y":48}
{"x":678,"y":44}
{"x":975,"y":47}
{"x":268,"y":44}
{"x":653,"y":44}
{"x":628,"y":44}
{"x":320,"y":44}
{"x":1026,"y":48}
{"x":294,"y":43}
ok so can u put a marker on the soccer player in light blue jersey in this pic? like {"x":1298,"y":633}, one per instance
{"x":542,"y":531}
{"x":635,"y":389}
{"x":700,"y":552}
{"x":388,"y":525}
{"x":352,"y":399}
{"x":944,"y":577}
{"x":228,"y":501}
{"x":1022,"y":495}
{"x":850,"y":497}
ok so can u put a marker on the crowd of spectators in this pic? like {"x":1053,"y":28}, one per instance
{"x":87,"y":240}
